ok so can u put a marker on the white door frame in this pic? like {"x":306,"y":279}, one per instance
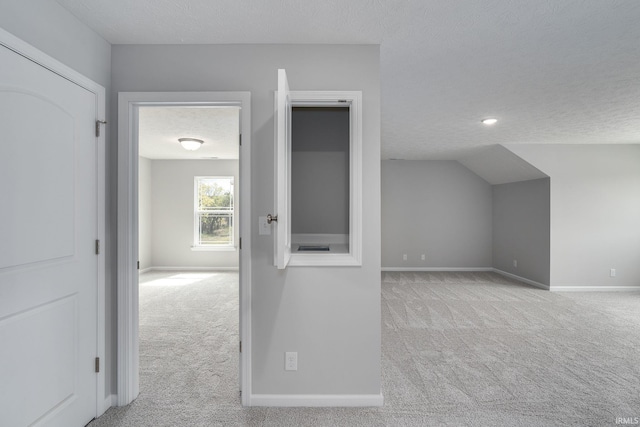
{"x":128,"y":368}
{"x":17,"y":45}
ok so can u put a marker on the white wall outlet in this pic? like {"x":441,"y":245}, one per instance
{"x":291,"y":361}
{"x":423,"y":257}
{"x":515,"y":263}
{"x":404,"y":257}
{"x":612,"y":272}
{"x":264,"y":229}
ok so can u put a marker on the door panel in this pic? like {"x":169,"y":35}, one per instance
{"x":48,"y":267}
{"x":283,"y":171}
{"x":45,"y":195}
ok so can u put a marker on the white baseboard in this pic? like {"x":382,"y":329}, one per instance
{"x":522,"y":279}
{"x":437,"y":269}
{"x":189,"y":269}
{"x":317,"y":400}
{"x":109,"y":401}
{"x":595,"y":289}
{"x":145,"y":270}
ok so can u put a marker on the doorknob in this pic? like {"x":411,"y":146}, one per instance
{"x":271,"y":218}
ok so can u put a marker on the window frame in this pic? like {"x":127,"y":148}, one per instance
{"x":197,"y":212}
{"x":353,"y":258}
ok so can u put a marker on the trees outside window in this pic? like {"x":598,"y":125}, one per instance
{"x":213,"y":225}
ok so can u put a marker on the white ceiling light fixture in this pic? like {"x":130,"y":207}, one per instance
{"x":489,"y":121}
{"x":190,"y":144}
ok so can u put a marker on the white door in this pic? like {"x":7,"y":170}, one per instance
{"x":48,"y":265}
{"x":283,"y":171}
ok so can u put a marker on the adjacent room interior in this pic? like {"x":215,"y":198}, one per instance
{"x":188,"y":252}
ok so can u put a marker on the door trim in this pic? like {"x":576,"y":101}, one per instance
{"x":128,"y":368}
{"x":30,"y":52}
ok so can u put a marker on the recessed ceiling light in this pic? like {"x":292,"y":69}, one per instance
{"x":489,"y":121}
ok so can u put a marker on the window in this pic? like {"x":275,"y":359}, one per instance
{"x":213,"y":224}
{"x":318,"y":177}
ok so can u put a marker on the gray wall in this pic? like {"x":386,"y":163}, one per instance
{"x":320,"y":171}
{"x":521,"y":229}
{"x":144,"y":213}
{"x":49,"y":27}
{"x":438,"y":208}
{"x":595,"y":211}
{"x":172,"y":213}
{"x":330,"y":316}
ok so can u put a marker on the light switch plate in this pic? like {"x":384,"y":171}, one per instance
{"x":264,"y":228}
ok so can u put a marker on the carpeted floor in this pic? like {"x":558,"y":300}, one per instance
{"x":459,"y":349}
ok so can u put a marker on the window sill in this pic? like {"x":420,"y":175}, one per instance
{"x":213,"y":248}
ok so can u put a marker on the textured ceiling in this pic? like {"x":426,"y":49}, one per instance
{"x":160,"y":128}
{"x":552,"y":71}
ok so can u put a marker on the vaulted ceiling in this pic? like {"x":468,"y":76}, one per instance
{"x":550,"y":71}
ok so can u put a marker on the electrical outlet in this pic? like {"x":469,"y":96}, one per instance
{"x":423,"y":257}
{"x":404,"y":257}
{"x":612,"y":272}
{"x":515,"y":263}
{"x":291,"y":361}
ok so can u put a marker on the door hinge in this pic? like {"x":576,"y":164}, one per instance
{"x":240,"y":139}
{"x":241,"y":243}
{"x":97,"y":364}
{"x":138,"y":265}
{"x":240,"y":346}
{"x":97,"y":247}
{"x":98,"y":123}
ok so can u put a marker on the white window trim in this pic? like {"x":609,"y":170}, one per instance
{"x":196,"y":219}
{"x":352,"y":99}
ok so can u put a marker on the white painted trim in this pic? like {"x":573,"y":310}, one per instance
{"x":318,"y":400}
{"x":187,"y":269}
{"x":410,"y":269}
{"x":128,"y":369}
{"x":595,"y":289}
{"x":522,"y":279}
{"x":109,"y":401}
{"x":214,"y":248}
{"x":354,"y":100}
{"x":30,"y":52}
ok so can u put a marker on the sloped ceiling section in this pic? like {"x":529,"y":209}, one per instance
{"x":498,"y":165}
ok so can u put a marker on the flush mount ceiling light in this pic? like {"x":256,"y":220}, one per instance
{"x":190,"y":144}
{"x":489,"y":121}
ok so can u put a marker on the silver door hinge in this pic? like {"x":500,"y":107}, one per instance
{"x":240,"y":346}
{"x":97,"y":246}
{"x":97,"y":364}
{"x":240,"y":138}
{"x":138,"y":265}
{"x":241,"y":243}
{"x":98,"y":123}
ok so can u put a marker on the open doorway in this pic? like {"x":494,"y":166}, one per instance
{"x":183,"y":219}
{"x":188,"y":176}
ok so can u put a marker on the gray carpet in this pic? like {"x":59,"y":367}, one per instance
{"x":459,"y":349}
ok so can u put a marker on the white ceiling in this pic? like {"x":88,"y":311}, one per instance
{"x":160,"y":128}
{"x":552,"y":71}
